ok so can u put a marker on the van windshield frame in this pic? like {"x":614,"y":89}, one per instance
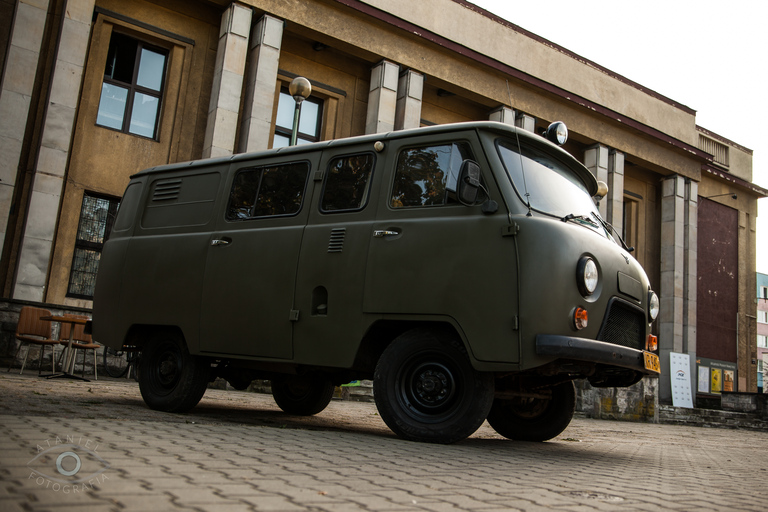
{"x":545,"y":183}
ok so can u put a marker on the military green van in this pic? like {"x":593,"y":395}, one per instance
{"x":464,"y":268}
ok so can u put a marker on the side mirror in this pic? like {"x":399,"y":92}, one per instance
{"x":468,"y":183}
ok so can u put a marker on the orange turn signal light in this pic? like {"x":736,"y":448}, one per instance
{"x":580,"y":318}
{"x":652,"y":343}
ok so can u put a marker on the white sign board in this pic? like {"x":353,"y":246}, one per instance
{"x":680,"y":375}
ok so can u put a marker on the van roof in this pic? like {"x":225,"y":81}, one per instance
{"x":492,"y":126}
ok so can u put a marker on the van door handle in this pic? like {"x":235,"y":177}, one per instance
{"x":220,"y":241}
{"x":381,"y":233}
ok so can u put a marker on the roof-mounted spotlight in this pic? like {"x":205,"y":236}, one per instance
{"x":557,"y":132}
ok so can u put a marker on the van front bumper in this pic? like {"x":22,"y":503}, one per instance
{"x":582,"y":349}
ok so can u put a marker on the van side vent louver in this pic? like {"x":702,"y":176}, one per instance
{"x":336,"y":243}
{"x":167,"y":190}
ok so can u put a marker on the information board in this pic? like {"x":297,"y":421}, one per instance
{"x":680,"y":375}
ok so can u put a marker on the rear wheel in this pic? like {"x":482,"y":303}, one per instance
{"x":534,"y":419}
{"x":170,"y":378}
{"x":115,"y":362}
{"x":302,"y":395}
{"x":427,"y":390}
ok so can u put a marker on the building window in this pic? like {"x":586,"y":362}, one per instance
{"x":762,"y":317}
{"x":309,"y":122}
{"x":763,"y":292}
{"x":96,"y":217}
{"x":762,"y":341}
{"x":132,"y":90}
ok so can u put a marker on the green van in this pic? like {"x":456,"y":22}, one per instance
{"x":464,"y":268}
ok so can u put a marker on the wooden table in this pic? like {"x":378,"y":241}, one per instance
{"x":69,"y":360}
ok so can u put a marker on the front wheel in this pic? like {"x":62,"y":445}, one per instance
{"x":170,"y":378}
{"x":303,"y":395}
{"x":534,"y":419}
{"x":427,"y":390}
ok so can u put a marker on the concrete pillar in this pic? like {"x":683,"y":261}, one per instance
{"x":408,"y":107}
{"x":503,"y":114}
{"x":382,"y":98}
{"x":596,"y":160}
{"x":526,"y":122}
{"x":224,"y":106}
{"x":58,"y":127}
{"x":263,"y":60}
{"x":690,"y":269}
{"x":671,"y":295}
{"x":18,"y":82}
{"x":614,"y":207}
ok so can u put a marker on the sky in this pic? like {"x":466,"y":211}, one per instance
{"x":705,"y":54}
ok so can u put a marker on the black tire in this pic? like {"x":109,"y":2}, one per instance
{"x":170,"y":379}
{"x":427,"y":390}
{"x":303,"y":395}
{"x":115,"y":362}
{"x":534,"y":419}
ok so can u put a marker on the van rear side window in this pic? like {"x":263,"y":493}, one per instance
{"x":348,"y":183}
{"x":268,"y":191}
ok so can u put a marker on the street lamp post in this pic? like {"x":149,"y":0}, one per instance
{"x":300,"y":89}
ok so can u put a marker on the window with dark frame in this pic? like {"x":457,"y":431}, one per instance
{"x":309,"y":122}
{"x":268,"y":191}
{"x":132,"y":90}
{"x":426,"y":176}
{"x":97,"y":215}
{"x":347,"y":183}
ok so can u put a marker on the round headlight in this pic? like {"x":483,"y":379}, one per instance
{"x":587,"y":276}
{"x":653,"y":305}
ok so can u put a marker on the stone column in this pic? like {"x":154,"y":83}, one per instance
{"x":596,"y":160}
{"x":690,"y":276}
{"x":58,"y":127}
{"x":503,"y":114}
{"x":614,"y":201}
{"x":526,"y":122}
{"x":408,"y":107}
{"x":671,"y":295}
{"x":16,"y":96}
{"x":263,"y":60}
{"x":224,"y":106}
{"x":382,"y":98}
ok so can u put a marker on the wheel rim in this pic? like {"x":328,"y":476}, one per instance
{"x":428,"y":388}
{"x":529,"y":408}
{"x":166,"y":369}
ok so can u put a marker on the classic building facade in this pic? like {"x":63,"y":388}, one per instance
{"x":95,"y":90}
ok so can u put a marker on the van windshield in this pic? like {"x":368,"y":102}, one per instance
{"x":544,"y":183}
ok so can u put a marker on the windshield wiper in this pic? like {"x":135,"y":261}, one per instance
{"x":582,"y":218}
{"x":612,"y":230}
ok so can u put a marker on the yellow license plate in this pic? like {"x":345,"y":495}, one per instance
{"x":652,"y":362}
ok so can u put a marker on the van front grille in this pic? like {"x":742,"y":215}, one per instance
{"x":623,"y":325}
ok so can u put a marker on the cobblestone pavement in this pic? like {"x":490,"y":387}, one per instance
{"x":236,"y":451}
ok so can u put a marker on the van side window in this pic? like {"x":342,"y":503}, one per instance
{"x":347,"y":183}
{"x":426,"y":176}
{"x":268,"y":191}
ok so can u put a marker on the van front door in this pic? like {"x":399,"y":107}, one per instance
{"x":247,"y":302}
{"x":432,"y":258}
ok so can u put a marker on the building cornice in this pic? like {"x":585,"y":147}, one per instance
{"x":402,"y":24}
